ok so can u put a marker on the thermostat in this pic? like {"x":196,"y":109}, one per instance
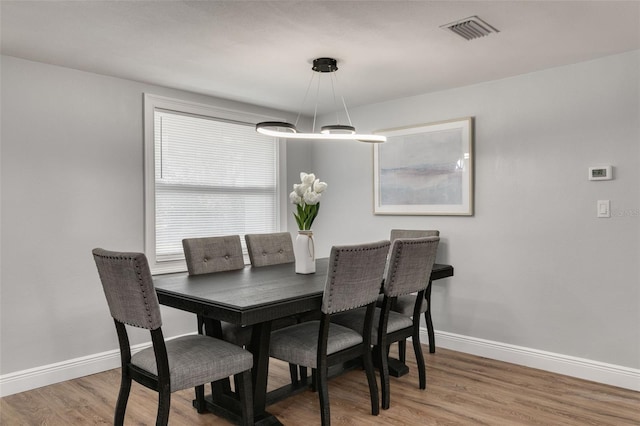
{"x":600,"y":173}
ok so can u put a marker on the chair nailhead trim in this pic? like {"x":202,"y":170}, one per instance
{"x":139,"y":274}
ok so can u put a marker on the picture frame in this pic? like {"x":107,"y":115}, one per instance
{"x":425,"y":169}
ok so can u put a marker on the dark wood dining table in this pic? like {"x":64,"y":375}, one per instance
{"x":250,"y":297}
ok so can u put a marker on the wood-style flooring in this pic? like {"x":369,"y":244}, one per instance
{"x":461,"y":389}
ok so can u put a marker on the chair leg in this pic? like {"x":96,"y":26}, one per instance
{"x":323,"y":393}
{"x":402,"y":350}
{"x":383,"y":361}
{"x":236,"y":384}
{"x":200,"y":325}
{"x":417,"y":348}
{"x":295,"y":377}
{"x":430,"y":332}
{"x":244,"y":392}
{"x":293,"y":372}
{"x":200,"y":404}
{"x":164,"y":406}
{"x":123,"y":397}
{"x":314,"y":380}
{"x":429,"y":321}
{"x":371,"y":379}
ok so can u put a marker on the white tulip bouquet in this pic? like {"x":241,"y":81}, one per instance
{"x":306,"y":195}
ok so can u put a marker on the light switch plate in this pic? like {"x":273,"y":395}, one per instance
{"x":604,"y":208}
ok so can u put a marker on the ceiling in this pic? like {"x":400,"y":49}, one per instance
{"x":261,"y":51}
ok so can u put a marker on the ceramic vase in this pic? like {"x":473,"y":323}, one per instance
{"x":304,"y":251}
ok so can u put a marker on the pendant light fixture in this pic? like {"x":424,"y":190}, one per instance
{"x":282,"y":129}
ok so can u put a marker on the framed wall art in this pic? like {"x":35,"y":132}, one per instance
{"x":425,"y":170}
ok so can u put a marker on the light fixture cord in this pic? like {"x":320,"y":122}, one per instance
{"x":344,"y":104}
{"x":334,"y":84}
{"x":315,"y":111}
{"x":346,"y":111}
{"x":304,"y":100}
{"x":333,"y":92}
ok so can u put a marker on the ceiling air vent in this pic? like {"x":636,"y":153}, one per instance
{"x":470,"y":28}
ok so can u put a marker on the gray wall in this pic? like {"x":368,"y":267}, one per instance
{"x":534,"y":267}
{"x":72,"y":180}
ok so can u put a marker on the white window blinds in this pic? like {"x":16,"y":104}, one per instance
{"x":212,"y":177}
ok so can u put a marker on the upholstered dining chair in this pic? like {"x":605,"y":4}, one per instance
{"x":167,"y":366}
{"x":213,"y":254}
{"x":404,"y":304}
{"x":410,"y":263}
{"x":412,"y":233}
{"x":274,"y":249}
{"x":353,"y":281}
{"x":269,"y":249}
{"x":208,"y":255}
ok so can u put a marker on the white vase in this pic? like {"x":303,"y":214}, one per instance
{"x":305,"y":253}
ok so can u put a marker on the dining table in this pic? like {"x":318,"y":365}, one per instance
{"x":251,"y":296}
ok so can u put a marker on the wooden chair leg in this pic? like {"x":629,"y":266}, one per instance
{"x":123,"y":397}
{"x":164,"y":406}
{"x":293,"y":372}
{"x":244,"y":392}
{"x":402,"y":351}
{"x":314,"y":380}
{"x":383,"y":364}
{"x":236,"y":383}
{"x":430,"y":332}
{"x":323,"y":393}
{"x":428,"y":320}
{"x":200,"y":404}
{"x":371,"y":379}
{"x":422,"y":374}
{"x":200,"y":325}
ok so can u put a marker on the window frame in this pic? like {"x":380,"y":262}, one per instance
{"x":153,"y":102}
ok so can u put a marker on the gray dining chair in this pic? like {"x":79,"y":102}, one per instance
{"x":213,"y":254}
{"x":270,"y":249}
{"x":404,"y":304}
{"x":208,"y":255}
{"x":410,"y":263}
{"x":166,"y":366}
{"x":353,"y":281}
{"x":276,"y":248}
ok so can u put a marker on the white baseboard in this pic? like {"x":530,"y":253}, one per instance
{"x":21,"y":381}
{"x":610,"y":374}
{"x":600,"y":372}
{"x":33,"y":378}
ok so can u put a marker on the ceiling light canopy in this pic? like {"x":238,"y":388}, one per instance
{"x":282,"y":129}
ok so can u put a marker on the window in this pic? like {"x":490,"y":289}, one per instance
{"x":208,"y":173}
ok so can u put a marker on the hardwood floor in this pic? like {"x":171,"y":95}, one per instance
{"x":461,"y":390}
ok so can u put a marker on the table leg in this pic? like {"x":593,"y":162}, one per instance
{"x":259,"y":347}
{"x":398,"y":368}
{"x":224,"y":403}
